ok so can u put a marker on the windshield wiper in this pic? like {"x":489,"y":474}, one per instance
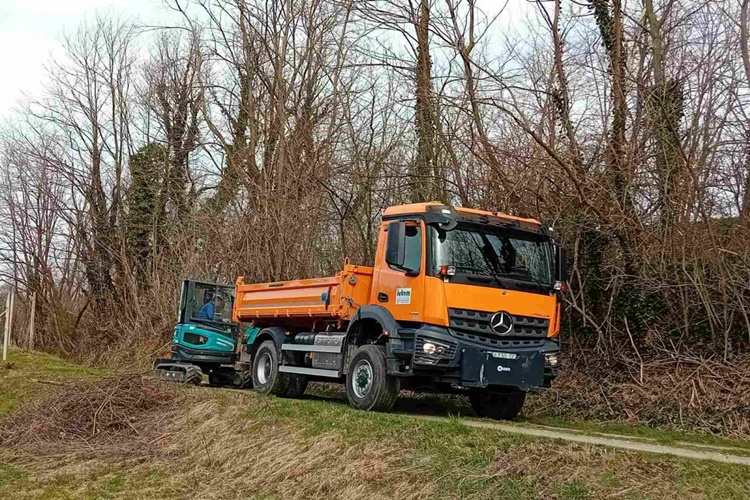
{"x":527,"y":277}
{"x":480,"y":279}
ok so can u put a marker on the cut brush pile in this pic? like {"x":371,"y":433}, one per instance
{"x":117,"y":414}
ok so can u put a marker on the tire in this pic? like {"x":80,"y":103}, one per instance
{"x":266,"y":376}
{"x":497,"y":405}
{"x":368,"y":385}
{"x":243,"y":380}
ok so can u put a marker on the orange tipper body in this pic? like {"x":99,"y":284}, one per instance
{"x":304,"y":301}
{"x":457,"y":298}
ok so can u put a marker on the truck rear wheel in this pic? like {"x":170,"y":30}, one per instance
{"x":266,"y":376}
{"x":368,"y":385}
{"x":496,"y":404}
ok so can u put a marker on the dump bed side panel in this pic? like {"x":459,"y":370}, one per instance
{"x":335,"y":297}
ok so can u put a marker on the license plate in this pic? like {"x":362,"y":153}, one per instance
{"x":504,"y":355}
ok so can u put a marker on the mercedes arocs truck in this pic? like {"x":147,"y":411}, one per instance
{"x":458,"y":300}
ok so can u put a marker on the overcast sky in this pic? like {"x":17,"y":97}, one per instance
{"x":30,"y":31}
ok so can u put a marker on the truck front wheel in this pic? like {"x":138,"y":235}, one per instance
{"x":496,"y":404}
{"x":266,"y":376}
{"x":368,"y":385}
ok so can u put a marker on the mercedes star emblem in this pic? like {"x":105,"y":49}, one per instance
{"x":501,"y":322}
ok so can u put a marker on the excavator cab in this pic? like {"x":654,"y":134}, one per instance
{"x":205,"y":338}
{"x":208,"y":305}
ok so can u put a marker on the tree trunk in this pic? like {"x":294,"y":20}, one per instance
{"x":424,"y":179}
{"x":664,"y":105}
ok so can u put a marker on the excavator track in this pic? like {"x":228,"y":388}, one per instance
{"x":176,"y":371}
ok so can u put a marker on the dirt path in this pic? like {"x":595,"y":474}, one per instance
{"x":621,"y":442}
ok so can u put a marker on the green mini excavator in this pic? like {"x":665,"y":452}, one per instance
{"x":205,"y":339}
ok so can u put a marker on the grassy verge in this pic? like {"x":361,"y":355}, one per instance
{"x":27,"y":374}
{"x":655,"y":434}
{"x":452,"y":405}
{"x":237,"y":444}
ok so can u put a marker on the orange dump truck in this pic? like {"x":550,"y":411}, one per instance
{"x":458,"y":300}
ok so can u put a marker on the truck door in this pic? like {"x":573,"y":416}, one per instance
{"x":398,"y":290}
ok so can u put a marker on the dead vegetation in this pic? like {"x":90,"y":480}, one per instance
{"x":131,"y":437}
{"x":622,"y":473}
{"x":113,"y":416}
{"x":697,"y":396}
{"x":232,"y":455}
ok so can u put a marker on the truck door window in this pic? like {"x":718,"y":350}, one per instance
{"x":413,"y":250}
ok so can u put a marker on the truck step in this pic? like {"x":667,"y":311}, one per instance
{"x":316,"y":372}
{"x":311,"y":348}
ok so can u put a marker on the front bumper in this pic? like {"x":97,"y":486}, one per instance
{"x":518,"y":363}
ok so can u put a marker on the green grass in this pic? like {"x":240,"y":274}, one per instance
{"x":457,"y":461}
{"x":453,"y":405}
{"x":9,"y":474}
{"x":459,"y":456}
{"x":101,"y":483}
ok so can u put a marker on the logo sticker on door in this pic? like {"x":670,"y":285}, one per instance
{"x":403,"y":295}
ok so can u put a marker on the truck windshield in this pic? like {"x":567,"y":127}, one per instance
{"x":488,"y":252}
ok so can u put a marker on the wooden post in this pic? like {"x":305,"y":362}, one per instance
{"x":8,"y":323}
{"x":12,"y":316}
{"x":32,"y":314}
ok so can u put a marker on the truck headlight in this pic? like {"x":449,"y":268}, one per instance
{"x":428,"y":351}
{"x":430,"y":348}
{"x":552,"y":359}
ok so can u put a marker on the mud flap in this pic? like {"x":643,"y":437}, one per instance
{"x":484,"y":368}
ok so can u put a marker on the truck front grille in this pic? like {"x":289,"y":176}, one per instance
{"x":496,"y":342}
{"x":477,"y":323}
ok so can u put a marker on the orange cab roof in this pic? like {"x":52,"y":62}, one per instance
{"x":415,"y":208}
{"x":411,"y":208}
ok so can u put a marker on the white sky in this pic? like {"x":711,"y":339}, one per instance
{"x":30,"y":31}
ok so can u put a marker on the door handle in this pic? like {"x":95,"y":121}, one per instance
{"x":382,"y":297}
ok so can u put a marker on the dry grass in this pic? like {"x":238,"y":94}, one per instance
{"x":134,"y":438}
{"x":232,"y":455}
{"x":618,"y":473}
{"x":231,"y":445}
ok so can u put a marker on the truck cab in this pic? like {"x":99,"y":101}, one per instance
{"x":475,"y":295}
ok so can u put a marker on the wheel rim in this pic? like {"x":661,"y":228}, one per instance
{"x":362,"y":380}
{"x":263,"y":371}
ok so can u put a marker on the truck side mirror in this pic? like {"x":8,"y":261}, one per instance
{"x":561,"y":264}
{"x":396,"y":244}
